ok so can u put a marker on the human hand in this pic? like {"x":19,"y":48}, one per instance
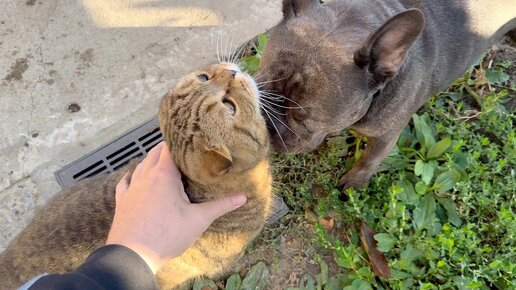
{"x":153,"y":215}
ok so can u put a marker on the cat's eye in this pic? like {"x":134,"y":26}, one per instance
{"x":229,"y":105}
{"x":203,"y":77}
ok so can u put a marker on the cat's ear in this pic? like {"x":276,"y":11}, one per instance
{"x":384,"y":51}
{"x":217,"y":160}
{"x":292,"y":8}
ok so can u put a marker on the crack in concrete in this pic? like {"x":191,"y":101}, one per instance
{"x":42,"y":63}
{"x":16,"y":182}
{"x":49,"y":18}
{"x":32,"y":109}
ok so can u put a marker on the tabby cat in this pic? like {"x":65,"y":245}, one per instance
{"x":212,"y":124}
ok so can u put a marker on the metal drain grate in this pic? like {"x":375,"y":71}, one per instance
{"x":135,"y":143}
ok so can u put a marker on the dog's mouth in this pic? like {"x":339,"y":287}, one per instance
{"x":287,"y":140}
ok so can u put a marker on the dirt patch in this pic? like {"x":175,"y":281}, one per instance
{"x":86,"y":59}
{"x":87,"y":56}
{"x":49,"y":81}
{"x":508,"y":52}
{"x":289,"y":252}
{"x":17,"y":70}
{"x":30,"y":2}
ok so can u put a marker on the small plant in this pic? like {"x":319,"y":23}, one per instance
{"x":253,"y":54}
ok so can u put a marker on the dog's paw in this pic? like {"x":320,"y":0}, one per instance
{"x":353,"y":179}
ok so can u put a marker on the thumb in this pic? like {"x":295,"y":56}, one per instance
{"x":215,"y":208}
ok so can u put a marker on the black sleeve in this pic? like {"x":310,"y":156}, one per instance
{"x":112,"y":267}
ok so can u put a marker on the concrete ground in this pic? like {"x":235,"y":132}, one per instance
{"x":74,"y":75}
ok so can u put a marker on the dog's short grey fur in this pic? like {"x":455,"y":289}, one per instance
{"x":370,"y":64}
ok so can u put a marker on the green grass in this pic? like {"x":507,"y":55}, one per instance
{"x":443,"y":205}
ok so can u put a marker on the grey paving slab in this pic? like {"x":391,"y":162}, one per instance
{"x":76,"y":74}
{"x":18,"y":204}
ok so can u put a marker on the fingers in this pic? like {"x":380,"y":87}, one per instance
{"x":153,"y":157}
{"x":121,"y":187}
{"x":165,"y":160}
{"x":215,"y":208}
{"x":184,"y":195}
{"x":149,"y":161}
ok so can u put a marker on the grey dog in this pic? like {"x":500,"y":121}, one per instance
{"x":369,"y":65}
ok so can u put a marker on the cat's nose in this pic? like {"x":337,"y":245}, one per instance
{"x":232,"y":72}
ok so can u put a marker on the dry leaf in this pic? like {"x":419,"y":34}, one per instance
{"x":376,"y":258}
{"x":327,"y":223}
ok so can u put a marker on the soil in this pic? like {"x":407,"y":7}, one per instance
{"x":507,"y":51}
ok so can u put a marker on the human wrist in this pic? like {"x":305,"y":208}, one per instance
{"x":117,"y":264}
{"x":150,"y":257}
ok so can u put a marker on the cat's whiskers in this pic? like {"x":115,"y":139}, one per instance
{"x":232,"y":54}
{"x":271,"y":102}
{"x":275,"y":99}
{"x":231,"y":49}
{"x":221,"y":47}
{"x":280,"y":97}
{"x":243,"y":49}
{"x":233,"y":57}
{"x":286,"y":126}
{"x":261,"y":84}
{"x":217,"y":48}
{"x":273,"y":94}
{"x":239,"y":53}
{"x":275,"y":128}
{"x":214,"y":46}
{"x":261,"y":75}
{"x":211,"y":40}
{"x":273,"y":109}
{"x":258,"y":76}
{"x":226,"y":56}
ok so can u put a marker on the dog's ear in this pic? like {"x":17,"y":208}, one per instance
{"x":292,"y":8}
{"x":384,"y":51}
{"x":216,"y":160}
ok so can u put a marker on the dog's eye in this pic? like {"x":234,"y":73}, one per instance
{"x":203,"y":77}
{"x":229,"y":105}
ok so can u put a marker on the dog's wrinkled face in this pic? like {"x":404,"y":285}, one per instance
{"x":315,"y":71}
{"x":328,"y":63}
